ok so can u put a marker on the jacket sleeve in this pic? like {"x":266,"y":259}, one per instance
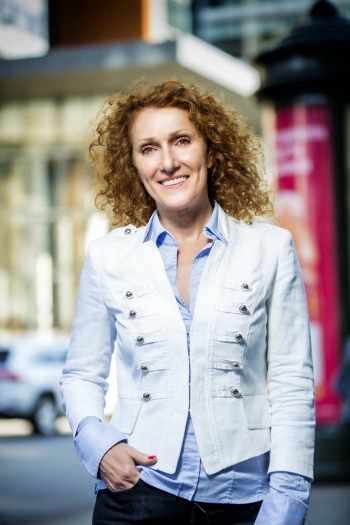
{"x":84,"y":380}
{"x":290,"y":387}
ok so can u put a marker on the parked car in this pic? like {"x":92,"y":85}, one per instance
{"x":30,"y":368}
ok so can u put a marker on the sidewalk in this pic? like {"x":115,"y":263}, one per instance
{"x":329,"y":505}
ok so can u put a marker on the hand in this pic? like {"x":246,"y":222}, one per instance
{"x":118,"y":466}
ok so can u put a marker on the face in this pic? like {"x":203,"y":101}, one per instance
{"x":171,"y":158}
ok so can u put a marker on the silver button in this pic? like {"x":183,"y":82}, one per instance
{"x":234,"y":392}
{"x":128,"y":294}
{"x":245,"y":287}
{"x":132,"y":314}
{"x":243,"y":309}
{"x":127,"y":231}
{"x":235,"y":365}
{"x":144,"y":368}
{"x":146,"y":396}
{"x":140,"y":339}
{"x":239,"y":337}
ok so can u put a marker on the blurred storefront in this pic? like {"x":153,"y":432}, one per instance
{"x":46,"y":209}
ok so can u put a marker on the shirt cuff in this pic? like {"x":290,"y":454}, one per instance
{"x":280,"y":509}
{"x":290,"y":484}
{"x":93,"y":439}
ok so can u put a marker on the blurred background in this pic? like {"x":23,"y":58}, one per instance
{"x":282,"y":63}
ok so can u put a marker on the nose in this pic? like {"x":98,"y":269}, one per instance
{"x":169,"y":161}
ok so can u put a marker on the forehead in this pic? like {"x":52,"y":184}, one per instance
{"x":160,"y":120}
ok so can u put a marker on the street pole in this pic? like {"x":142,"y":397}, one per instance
{"x":305,"y":97}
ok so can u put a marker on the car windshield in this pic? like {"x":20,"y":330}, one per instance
{"x":3,"y":354}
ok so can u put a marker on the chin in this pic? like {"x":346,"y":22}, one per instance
{"x":180,"y":205}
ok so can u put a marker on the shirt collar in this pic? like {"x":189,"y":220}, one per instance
{"x":154,"y":228}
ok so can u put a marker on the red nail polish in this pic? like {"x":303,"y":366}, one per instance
{"x":151,"y":457}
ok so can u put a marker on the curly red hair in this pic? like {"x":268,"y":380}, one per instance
{"x":236,"y":179}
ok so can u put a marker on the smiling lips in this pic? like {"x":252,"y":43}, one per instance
{"x":172,"y":182}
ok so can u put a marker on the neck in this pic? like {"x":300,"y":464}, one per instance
{"x":186,"y":226}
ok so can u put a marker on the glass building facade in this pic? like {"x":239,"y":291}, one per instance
{"x":47,"y":209}
{"x":241,"y":27}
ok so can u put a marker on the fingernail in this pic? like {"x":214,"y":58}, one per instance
{"x":151,"y":457}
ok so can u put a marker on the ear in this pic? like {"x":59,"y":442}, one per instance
{"x":209,"y":159}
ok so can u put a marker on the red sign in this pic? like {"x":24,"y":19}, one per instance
{"x":305,"y":202}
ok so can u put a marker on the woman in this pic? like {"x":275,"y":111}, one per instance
{"x":206,"y":310}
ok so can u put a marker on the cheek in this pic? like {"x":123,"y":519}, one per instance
{"x":144,"y":179}
{"x":144,"y":175}
{"x":139,"y":168}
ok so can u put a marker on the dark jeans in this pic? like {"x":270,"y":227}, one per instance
{"x":149,"y":505}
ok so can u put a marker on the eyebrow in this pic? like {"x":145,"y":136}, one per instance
{"x":172,"y":135}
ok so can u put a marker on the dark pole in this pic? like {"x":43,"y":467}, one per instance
{"x":312,"y":64}
{"x":314,"y":59}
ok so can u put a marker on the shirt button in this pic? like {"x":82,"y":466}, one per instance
{"x":127,"y":231}
{"x":239,"y":337}
{"x":144,"y":368}
{"x":245,"y":287}
{"x":235,"y":365}
{"x":234,"y":392}
{"x":140,"y":339}
{"x":132,"y":314}
{"x":128,"y":294}
{"x":243,"y":309}
{"x":146,"y":396}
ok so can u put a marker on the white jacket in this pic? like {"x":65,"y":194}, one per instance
{"x":251,"y":368}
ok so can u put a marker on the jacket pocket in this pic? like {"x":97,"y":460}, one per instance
{"x":146,"y":338}
{"x":125,"y":415}
{"x":256,"y":412}
{"x":227,"y":344}
{"x":233,"y":308}
{"x":154,"y":365}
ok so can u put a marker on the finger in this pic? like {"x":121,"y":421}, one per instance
{"x":141,"y":458}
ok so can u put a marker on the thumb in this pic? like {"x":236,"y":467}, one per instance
{"x":143,"y":459}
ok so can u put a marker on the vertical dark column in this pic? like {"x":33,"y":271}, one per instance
{"x":305,"y":79}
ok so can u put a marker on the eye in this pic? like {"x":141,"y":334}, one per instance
{"x":146,"y":150}
{"x":183,"y":141}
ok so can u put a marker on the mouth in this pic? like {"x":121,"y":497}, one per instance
{"x":173,"y":182}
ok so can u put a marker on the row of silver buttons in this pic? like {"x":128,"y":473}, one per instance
{"x":234,"y":365}
{"x":245,"y":287}
{"x":243,"y":309}
{"x":234,"y":393}
{"x":140,"y":339}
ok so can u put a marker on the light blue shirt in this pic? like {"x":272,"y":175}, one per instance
{"x":285,"y":494}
